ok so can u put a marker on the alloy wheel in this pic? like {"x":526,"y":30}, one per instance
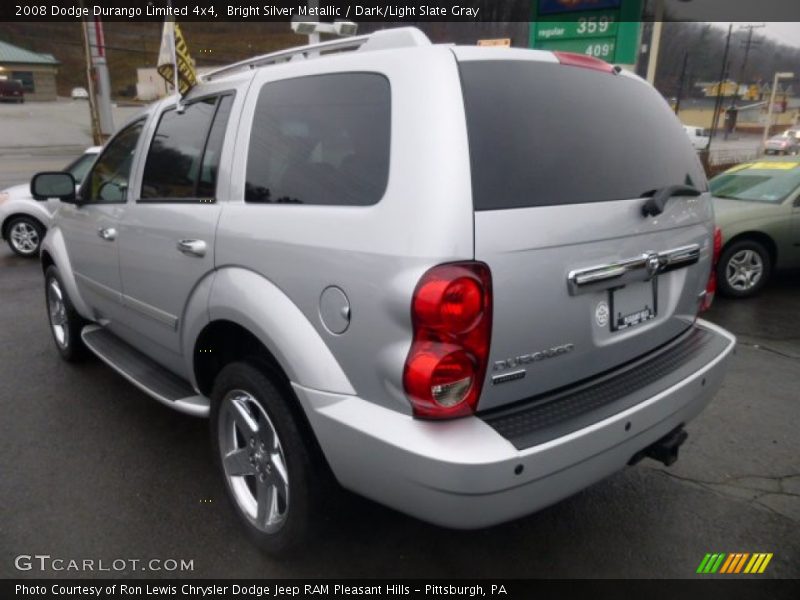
{"x":744,"y":270}
{"x":253,"y":460}
{"x":58,"y":312}
{"x":24,"y":237}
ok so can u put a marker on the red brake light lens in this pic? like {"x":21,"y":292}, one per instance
{"x":711,"y":286}
{"x":582,"y":60}
{"x":451,"y":315}
{"x":450,"y":305}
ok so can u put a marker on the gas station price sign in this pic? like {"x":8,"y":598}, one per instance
{"x":606,"y":29}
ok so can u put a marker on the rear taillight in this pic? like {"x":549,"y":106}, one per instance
{"x":583,"y":60}
{"x":451,"y":313}
{"x":711,"y":286}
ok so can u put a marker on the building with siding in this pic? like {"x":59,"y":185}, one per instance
{"x":36,"y":71}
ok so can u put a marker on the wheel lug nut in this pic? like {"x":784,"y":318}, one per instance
{"x":263,"y":477}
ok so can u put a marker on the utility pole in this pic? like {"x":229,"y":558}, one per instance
{"x":748,"y":43}
{"x":681,"y":82}
{"x":718,"y":103}
{"x":96,"y":138}
{"x":99,"y":68}
{"x":313,"y":38}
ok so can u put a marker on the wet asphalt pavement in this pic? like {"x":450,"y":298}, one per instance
{"x":92,"y":468}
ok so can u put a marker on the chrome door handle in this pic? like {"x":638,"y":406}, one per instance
{"x":192,"y":247}
{"x":109,"y":234}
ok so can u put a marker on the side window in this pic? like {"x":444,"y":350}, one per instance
{"x":80,"y":166}
{"x":184,"y":155}
{"x":207,"y":180}
{"x":322,"y":139}
{"x":108,"y":181}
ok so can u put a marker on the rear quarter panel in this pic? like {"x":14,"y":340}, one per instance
{"x":375,"y":254}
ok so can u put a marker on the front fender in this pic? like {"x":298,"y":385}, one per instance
{"x":26,"y":206}
{"x":255,"y":303}
{"x":53,"y":245}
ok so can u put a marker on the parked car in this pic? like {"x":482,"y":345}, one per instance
{"x":792,"y":132}
{"x":79,"y":93}
{"x":11,"y":89}
{"x":379,"y":267}
{"x":785,"y":143}
{"x":23,"y":220}
{"x":699,"y":136}
{"x":757,"y":206}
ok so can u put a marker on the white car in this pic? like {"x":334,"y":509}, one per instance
{"x":699,"y":136}
{"x":23,"y":220}
{"x":79,"y":93}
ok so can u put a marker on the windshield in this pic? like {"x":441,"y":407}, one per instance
{"x":760,"y":182}
{"x":81,"y":166}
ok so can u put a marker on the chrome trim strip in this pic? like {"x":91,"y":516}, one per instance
{"x":679,"y":257}
{"x":151,"y":312}
{"x":506,"y":377}
{"x":642,"y":267}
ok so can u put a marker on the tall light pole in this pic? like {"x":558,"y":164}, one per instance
{"x":778,"y":77}
{"x":655,"y":39}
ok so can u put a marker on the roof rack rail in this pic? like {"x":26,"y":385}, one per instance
{"x":400,"y":37}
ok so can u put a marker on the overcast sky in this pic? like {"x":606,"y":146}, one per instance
{"x":785,"y":33}
{"x":782,"y":17}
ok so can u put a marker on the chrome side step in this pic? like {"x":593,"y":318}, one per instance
{"x":150,"y":377}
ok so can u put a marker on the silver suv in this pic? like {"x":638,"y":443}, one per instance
{"x":397,"y":267}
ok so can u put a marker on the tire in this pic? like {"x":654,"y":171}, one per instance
{"x":744,"y":268}
{"x":65,"y":322}
{"x":25,"y":235}
{"x":275,"y":480}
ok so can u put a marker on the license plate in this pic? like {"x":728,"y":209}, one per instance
{"x":633,"y":304}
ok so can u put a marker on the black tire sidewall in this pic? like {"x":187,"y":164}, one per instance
{"x":74,"y":350}
{"x":722,"y":280}
{"x":301,"y":468}
{"x":40,"y":230}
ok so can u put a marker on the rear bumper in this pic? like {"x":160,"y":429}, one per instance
{"x":464,"y":474}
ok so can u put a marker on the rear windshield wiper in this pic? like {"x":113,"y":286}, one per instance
{"x":658,"y":200}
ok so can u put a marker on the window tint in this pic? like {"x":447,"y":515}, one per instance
{"x":180,"y":165}
{"x":542,"y":134}
{"x":108,"y":181}
{"x":322,"y":139}
{"x":207,"y":183}
{"x":80,"y":166}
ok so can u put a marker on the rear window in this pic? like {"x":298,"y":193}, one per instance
{"x":542,"y":134}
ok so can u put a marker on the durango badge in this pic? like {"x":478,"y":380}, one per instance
{"x":524,"y":359}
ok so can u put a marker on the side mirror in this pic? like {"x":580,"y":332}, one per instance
{"x":53,"y":185}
